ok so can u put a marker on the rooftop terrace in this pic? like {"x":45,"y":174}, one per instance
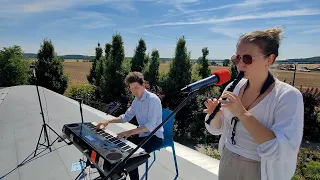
{"x":20,"y":126}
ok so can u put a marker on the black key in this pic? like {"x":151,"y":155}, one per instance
{"x":122,"y":144}
{"x":113,"y":139}
{"x":126,"y":147}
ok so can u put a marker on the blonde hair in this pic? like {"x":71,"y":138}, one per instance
{"x":267,"y":40}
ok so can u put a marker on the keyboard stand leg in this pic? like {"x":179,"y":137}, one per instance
{"x":87,"y":164}
{"x":103,"y":177}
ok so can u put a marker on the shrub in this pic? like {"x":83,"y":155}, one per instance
{"x":311,"y":100}
{"x":312,"y":170}
{"x":14,"y":68}
{"x":212,"y":152}
{"x":84,"y":91}
{"x":308,"y":166}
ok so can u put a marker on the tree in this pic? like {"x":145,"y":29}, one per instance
{"x":50,"y":69}
{"x":203,"y":68}
{"x":107,"y":52}
{"x":226,"y":62}
{"x":93,"y":72}
{"x":103,"y":66}
{"x":100,"y":61}
{"x":234,"y":72}
{"x":179,"y":76}
{"x":152,"y":72}
{"x":14,"y":68}
{"x":139,"y":58}
{"x":112,"y":82}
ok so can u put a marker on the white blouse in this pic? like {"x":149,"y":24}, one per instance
{"x":281,"y":111}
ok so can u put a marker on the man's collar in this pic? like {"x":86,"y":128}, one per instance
{"x":144,"y":96}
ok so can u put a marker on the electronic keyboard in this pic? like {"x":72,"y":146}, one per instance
{"x":103,"y":149}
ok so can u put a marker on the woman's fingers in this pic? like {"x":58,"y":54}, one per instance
{"x":224,"y":103}
{"x":229,"y":96}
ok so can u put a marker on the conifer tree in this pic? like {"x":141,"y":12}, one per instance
{"x":49,"y":69}
{"x":112,"y":83}
{"x":152,"y":72}
{"x":93,"y":70}
{"x":139,"y":58}
{"x":203,"y":68}
{"x":100,"y":60}
{"x":178,"y":77}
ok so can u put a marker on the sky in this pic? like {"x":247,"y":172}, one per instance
{"x":76,"y":26}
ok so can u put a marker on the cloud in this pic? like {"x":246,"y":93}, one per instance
{"x":84,"y":19}
{"x":230,"y":32}
{"x":243,"y":6}
{"x":273,"y":14}
{"x":21,"y":6}
{"x":309,"y":29}
{"x":151,"y":35}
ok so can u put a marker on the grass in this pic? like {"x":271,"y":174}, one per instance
{"x":77,"y":71}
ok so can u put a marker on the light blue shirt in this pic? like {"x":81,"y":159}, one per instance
{"x":148,"y":111}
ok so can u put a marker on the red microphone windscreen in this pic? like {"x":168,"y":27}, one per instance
{"x":224,"y":76}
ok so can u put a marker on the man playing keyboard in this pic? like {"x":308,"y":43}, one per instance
{"x":147,"y":108}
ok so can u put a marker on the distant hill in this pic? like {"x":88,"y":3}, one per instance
{"x":66,"y":57}
{"x":310,"y":60}
{"x":31,"y":55}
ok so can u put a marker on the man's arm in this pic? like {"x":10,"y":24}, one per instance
{"x":114,"y":120}
{"x":130,"y":113}
{"x":131,"y":132}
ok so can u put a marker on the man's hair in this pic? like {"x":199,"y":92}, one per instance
{"x":134,"y":77}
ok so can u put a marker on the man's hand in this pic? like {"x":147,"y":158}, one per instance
{"x":125,"y":134}
{"x":102,"y":125}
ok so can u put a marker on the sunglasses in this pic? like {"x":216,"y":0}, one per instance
{"x":247,"y":59}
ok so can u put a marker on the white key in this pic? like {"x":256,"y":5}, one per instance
{"x":130,"y":144}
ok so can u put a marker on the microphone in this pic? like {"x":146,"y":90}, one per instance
{"x":218,"y":77}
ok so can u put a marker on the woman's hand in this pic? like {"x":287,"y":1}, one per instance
{"x":211,"y":105}
{"x":234,"y":104}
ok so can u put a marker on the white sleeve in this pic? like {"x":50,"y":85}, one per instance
{"x":287,"y":127}
{"x":212,"y":130}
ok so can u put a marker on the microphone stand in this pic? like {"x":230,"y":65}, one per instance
{"x":182,"y":104}
{"x":43,"y":130}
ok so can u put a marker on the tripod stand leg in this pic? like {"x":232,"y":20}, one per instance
{"x":59,"y":137}
{"x":47,"y":137}
{"x":35,"y":151}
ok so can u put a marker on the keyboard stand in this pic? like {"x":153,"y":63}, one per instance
{"x":124,"y":174}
